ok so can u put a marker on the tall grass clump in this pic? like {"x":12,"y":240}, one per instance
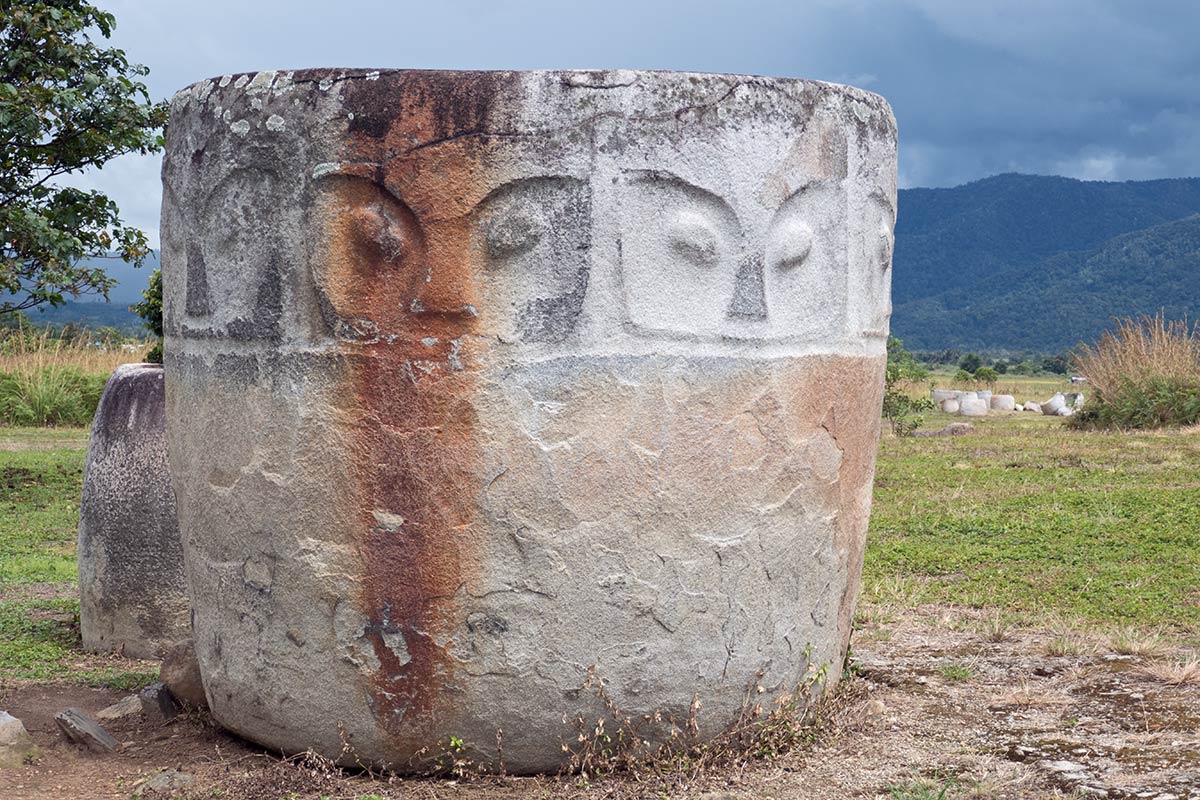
{"x":1144,"y":374}
{"x":47,"y":380}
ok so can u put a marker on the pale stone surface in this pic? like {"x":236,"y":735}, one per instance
{"x":1003,"y":402}
{"x":1055,"y":404}
{"x":132,"y":590}
{"x":941,"y":395}
{"x":1034,"y":406}
{"x":973,"y":407}
{"x":950,"y":405}
{"x":480,"y":379}
{"x":16,"y":745}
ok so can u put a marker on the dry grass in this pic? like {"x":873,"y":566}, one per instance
{"x":1138,"y":350}
{"x":27,"y":352}
{"x":1129,"y":640}
{"x":1173,"y":673}
{"x":51,"y":381}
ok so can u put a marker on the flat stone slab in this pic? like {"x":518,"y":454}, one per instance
{"x":80,"y":728}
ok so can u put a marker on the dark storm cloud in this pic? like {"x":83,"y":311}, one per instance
{"x":1101,"y":90}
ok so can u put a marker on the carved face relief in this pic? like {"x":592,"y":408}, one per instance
{"x":377,"y":262}
{"x":531,"y":239}
{"x":877,"y":264}
{"x":692,"y":268}
{"x":236,"y":245}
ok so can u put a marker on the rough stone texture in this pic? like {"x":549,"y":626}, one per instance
{"x":1055,"y":404}
{"x":951,"y":405}
{"x":16,"y":745}
{"x":1003,"y":402}
{"x":132,"y":590}
{"x":953,"y":429}
{"x":180,"y":673}
{"x":85,"y":731}
{"x":1034,"y":406}
{"x":480,"y":379}
{"x":973,"y":407}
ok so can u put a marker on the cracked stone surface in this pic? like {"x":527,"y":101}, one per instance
{"x":132,"y":590}
{"x":480,"y":380}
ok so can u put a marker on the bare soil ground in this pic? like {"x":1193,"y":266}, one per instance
{"x":943,"y":703}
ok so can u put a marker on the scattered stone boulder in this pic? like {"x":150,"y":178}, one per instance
{"x":1034,"y":406}
{"x":126,"y":707}
{"x":16,"y":745}
{"x":984,"y":395}
{"x":941,"y":395}
{"x":953,"y":429}
{"x":378,"y":355}
{"x":1051,"y":407}
{"x":180,"y":673}
{"x":80,"y":728}
{"x":951,"y":405}
{"x":166,"y":782}
{"x":132,"y":593}
{"x":1066,"y":411}
{"x":973,"y":407}
{"x":1003,"y":402}
{"x":158,"y":702}
{"x":154,"y":702}
{"x":1018,"y":407}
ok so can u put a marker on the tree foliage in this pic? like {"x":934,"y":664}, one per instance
{"x":900,"y":408}
{"x":151,"y":312}
{"x":66,"y":104}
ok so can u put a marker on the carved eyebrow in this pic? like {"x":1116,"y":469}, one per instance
{"x":695,"y":191}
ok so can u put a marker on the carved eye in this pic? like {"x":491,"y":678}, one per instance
{"x":378,"y":228}
{"x":512,"y":234}
{"x":885,"y":247}
{"x":692,"y":237}
{"x":795,"y":241}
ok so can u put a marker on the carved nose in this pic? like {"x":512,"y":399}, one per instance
{"x":749,"y":301}
{"x":196,"y":297}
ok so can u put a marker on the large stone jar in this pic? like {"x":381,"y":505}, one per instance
{"x":132,"y":592}
{"x":481,"y":380}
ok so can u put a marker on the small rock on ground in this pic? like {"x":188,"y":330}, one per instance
{"x":16,"y":745}
{"x":82,"y":729}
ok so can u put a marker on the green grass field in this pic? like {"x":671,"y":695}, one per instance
{"x":1023,"y":516}
{"x":41,"y":471}
{"x":1038,"y":520}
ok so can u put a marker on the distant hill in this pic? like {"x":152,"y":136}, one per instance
{"x":91,"y":311}
{"x":1034,"y":262}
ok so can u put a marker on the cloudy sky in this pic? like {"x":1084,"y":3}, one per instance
{"x":1091,"y":89}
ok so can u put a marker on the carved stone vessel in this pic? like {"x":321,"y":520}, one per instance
{"x":132,"y":592}
{"x":481,"y":380}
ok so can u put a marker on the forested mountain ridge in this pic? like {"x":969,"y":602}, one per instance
{"x":1035,"y":262}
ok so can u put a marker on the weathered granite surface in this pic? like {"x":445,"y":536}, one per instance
{"x":132,"y":590}
{"x":478,"y":380}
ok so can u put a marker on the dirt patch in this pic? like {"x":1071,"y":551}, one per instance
{"x":934,"y":702}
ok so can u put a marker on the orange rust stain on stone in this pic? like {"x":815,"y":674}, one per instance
{"x":854,"y":388}
{"x":397,"y":273}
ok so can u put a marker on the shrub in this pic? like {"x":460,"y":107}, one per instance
{"x":53,"y":395}
{"x":986,"y":376}
{"x":900,"y":408}
{"x":151,"y":312}
{"x":1143,"y":374}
